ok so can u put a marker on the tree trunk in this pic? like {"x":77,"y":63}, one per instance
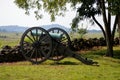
{"x":109,"y":44}
{"x":108,"y":32}
{"x":119,"y":27}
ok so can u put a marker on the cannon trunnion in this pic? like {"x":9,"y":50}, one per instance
{"x":38,"y":45}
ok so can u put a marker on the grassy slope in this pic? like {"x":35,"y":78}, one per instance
{"x":11,"y":39}
{"x":67,"y":69}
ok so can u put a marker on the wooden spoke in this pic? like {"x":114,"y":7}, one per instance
{"x":29,"y":51}
{"x":32,"y":35}
{"x":36,"y":55}
{"x":37,"y":34}
{"x":40,"y":36}
{"x":30,"y":38}
{"x":40,"y":54}
{"x":32,"y":53}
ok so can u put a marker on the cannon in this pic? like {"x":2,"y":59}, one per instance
{"x":38,"y":45}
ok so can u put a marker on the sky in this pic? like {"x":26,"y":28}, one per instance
{"x":10,"y":14}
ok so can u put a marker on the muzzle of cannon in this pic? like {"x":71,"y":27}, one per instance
{"x":38,"y":45}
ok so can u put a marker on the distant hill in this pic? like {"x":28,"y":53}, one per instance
{"x":94,"y":31}
{"x":13,"y":28}
{"x":55,"y":25}
{"x":16,"y":28}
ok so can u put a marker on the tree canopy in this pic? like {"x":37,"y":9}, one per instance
{"x":114,"y":7}
{"x":53,"y":7}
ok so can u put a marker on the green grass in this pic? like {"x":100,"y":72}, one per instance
{"x":11,"y":39}
{"x":67,"y":69}
{"x":89,"y":35}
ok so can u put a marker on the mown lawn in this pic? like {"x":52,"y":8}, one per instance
{"x":67,"y":69}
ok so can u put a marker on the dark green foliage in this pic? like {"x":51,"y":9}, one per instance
{"x":88,"y":8}
{"x":114,"y":7}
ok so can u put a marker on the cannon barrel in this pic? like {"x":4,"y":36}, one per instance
{"x":53,"y":35}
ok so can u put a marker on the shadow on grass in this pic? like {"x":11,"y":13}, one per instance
{"x":116,"y":54}
{"x":97,"y":54}
{"x":65,"y":63}
{"x":72,"y":63}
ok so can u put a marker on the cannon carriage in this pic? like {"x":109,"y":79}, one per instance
{"x":38,"y":45}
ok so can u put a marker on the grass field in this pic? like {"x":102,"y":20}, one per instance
{"x":8,"y":38}
{"x":13,"y":38}
{"x":67,"y":69}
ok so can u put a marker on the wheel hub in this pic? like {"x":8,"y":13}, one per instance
{"x":36,"y":44}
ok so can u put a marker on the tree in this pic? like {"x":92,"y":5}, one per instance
{"x":82,"y":31}
{"x":114,"y":8}
{"x":88,"y":9}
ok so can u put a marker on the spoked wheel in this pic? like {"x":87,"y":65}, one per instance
{"x":60,"y":38}
{"x":36,"y":45}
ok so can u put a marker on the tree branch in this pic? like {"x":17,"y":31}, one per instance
{"x":99,"y":25}
{"x":109,"y":17}
{"x":114,"y":27}
{"x":104,"y":13}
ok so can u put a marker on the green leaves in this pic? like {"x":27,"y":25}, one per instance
{"x":29,"y":6}
{"x":114,"y":6}
{"x":22,"y":4}
{"x":53,"y":7}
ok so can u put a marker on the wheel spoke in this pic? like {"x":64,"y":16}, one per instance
{"x":39,"y":52}
{"x":45,"y":44}
{"x":37,"y":34}
{"x":63,"y":39}
{"x":62,"y":34}
{"x":32,"y":35}
{"x":26,"y":43}
{"x":40,"y":36}
{"x":29,"y":51}
{"x":44,"y":38}
{"x":56,"y":54}
{"x":58,"y":31}
{"x":30,"y":38}
{"x":32,"y":53}
{"x":53,"y":31}
{"x":52,"y":54}
{"x":36,"y":55}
